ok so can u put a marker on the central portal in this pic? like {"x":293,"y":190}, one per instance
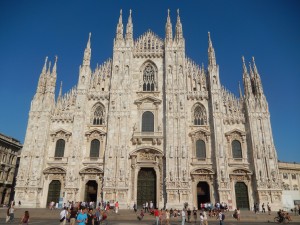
{"x":203,"y":193}
{"x":91,"y":189}
{"x":146,"y":186}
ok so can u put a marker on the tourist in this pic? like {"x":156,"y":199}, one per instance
{"x":263,"y":210}
{"x":156,"y":215}
{"x":90,"y":217}
{"x":141,"y":216}
{"x":11,"y":213}
{"x":63,"y":216}
{"x":221,"y":217}
{"x":82,"y":217}
{"x":204,"y":217}
{"x":195,"y":214}
{"x":167,"y":217}
{"x":238,"y":214}
{"x":201,"y":219}
{"x":183,"y":217}
{"x":73,"y":215}
{"x":146,"y":207}
{"x":189,"y":213}
{"x":269,"y":208}
{"x":25,"y":218}
{"x":135,"y":207}
{"x":117,"y":207}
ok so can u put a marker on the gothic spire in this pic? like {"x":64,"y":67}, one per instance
{"x":169,"y":33}
{"x":60,"y":91}
{"x":178,"y":30}
{"x":257,"y":80}
{"x":240,"y":91}
{"x":129,"y":28}
{"x":45,"y":66}
{"x":211,"y":53}
{"x":87,"y":53}
{"x":54,"y":67}
{"x":246,"y":80}
{"x":119,"y":35}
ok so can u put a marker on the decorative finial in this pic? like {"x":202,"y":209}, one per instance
{"x":56,"y":57}
{"x":45,"y":65}
{"x":168,"y":12}
{"x":130,"y":11}
{"x":178,"y":12}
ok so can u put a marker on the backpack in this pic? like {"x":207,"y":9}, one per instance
{"x":223,"y":216}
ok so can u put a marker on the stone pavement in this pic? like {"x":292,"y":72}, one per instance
{"x":129,"y":215}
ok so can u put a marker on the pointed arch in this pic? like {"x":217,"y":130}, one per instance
{"x":199,"y":114}
{"x":98,"y":114}
{"x":149,"y":76}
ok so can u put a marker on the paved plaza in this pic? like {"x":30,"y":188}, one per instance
{"x":51,"y":217}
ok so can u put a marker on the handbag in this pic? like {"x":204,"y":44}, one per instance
{"x":62,"y":219}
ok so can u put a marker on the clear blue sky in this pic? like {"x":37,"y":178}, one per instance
{"x":269,"y":30}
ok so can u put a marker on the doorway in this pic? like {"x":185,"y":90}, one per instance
{"x":91,"y":189}
{"x":53,"y":192}
{"x":146,"y":186}
{"x":241,"y":195}
{"x":203,"y":193}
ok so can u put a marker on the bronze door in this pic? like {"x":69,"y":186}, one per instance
{"x":241,"y":195}
{"x":91,"y":189}
{"x":54,"y":191}
{"x":146,"y":186}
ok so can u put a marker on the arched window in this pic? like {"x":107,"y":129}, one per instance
{"x":200,"y":115}
{"x":200,"y":149}
{"x":98,"y":118}
{"x":148,"y":122}
{"x":95,"y":148}
{"x":60,"y":148}
{"x":236,"y":149}
{"x":149,"y":78}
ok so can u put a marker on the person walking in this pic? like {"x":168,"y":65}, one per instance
{"x":82,"y":217}
{"x":167,"y":217}
{"x":117,"y":207}
{"x":221,"y":217}
{"x":204,"y":217}
{"x":25,"y":218}
{"x":73,"y":215}
{"x":11,"y":213}
{"x":195,"y":214}
{"x":183,"y":214}
{"x":90,"y":218}
{"x":189,"y":213}
{"x":201,"y":219}
{"x":134,"y":207}
{"x":63,"y":216}
{"x":156,"y":215}
{"x":263,"y":210}
{"x":269,"y":208}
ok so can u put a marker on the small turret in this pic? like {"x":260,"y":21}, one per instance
{"x":178,"y":30}
{"x":169,"y":33}
{"x":129,"y":30}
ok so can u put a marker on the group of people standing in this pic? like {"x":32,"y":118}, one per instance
{"x":82,"y":216}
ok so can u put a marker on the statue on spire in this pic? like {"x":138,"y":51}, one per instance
{"x":211,"y":53}
{"x":87,"y":53}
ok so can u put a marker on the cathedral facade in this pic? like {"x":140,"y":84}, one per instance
{"x":149,"y":125}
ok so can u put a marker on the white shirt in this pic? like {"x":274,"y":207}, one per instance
{"x":63,"y":213}
{"x":183,"y":213}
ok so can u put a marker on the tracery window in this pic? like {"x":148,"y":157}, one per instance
{"x":149,"y":78}
{"x":148,"y":122}
{"x":59,"y":148}
{"x":98,"y":116}
{"x":236,"y":149}
{"x":199,"y":115}
{"x":95,"y":148}
{"x":285,"y":176}
{"x":200,"y":149}
{"x":294,"y":176}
